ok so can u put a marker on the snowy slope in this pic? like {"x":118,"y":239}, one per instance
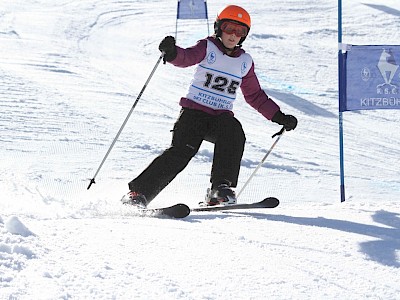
{"x":69,"y":74}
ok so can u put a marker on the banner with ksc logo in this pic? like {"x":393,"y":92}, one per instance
{"x":372,"y":78}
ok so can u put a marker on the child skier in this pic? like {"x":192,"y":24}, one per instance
{"x":206,"y":113}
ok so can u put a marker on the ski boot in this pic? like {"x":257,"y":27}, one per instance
{"x":135,"y":199}
{"x":221,"y":195}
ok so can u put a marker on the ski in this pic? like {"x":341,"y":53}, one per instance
{"x":269,"y":202}
{"x":180,"y":210}
{"x":177,"y":211}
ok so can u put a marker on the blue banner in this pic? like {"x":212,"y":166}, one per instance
{"x":192,"y":9}
{"x":372,"y":78}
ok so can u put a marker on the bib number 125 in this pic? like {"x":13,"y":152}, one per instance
{"x":221,"y":83}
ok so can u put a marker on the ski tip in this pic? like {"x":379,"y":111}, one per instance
{"x":272,"y":201}
{"x":178,"y":211}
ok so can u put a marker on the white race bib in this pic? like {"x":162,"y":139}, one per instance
{"x":217,"y":78}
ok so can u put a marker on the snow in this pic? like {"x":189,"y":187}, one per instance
{"x":69,"y":73}
{"x":14,"y":226}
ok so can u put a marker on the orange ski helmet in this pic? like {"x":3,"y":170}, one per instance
{"x":233,"y":13}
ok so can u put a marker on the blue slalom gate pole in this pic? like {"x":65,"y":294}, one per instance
{"x":341,"y":101}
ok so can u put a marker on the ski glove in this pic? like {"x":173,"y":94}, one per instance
{"x":167,"y":46}
{"x":289,"y":122}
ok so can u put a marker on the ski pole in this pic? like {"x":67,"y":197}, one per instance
{"x":126,"y":120}
{"x":279,"y":134}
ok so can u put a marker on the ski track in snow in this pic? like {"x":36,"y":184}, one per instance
{"x":69,"y":73}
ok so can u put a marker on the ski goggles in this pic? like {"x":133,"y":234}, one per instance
{"x":237,"y":29}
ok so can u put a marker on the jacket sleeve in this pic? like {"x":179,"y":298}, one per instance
{"x":256,"y":97}
{"x":190,"y":56}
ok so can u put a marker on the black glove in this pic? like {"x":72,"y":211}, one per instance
{"x":167,"y":46}
{"x":289,"y":122}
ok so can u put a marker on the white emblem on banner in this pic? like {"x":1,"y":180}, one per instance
{"x":388,"y":67}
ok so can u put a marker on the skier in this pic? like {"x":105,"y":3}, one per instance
{"x":206,"y":113}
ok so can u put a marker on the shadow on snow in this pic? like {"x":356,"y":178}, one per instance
{"x":385,"y":9}
{"x":383,"y":250}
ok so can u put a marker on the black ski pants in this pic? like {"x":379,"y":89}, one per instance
{"x":191,"y":128}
